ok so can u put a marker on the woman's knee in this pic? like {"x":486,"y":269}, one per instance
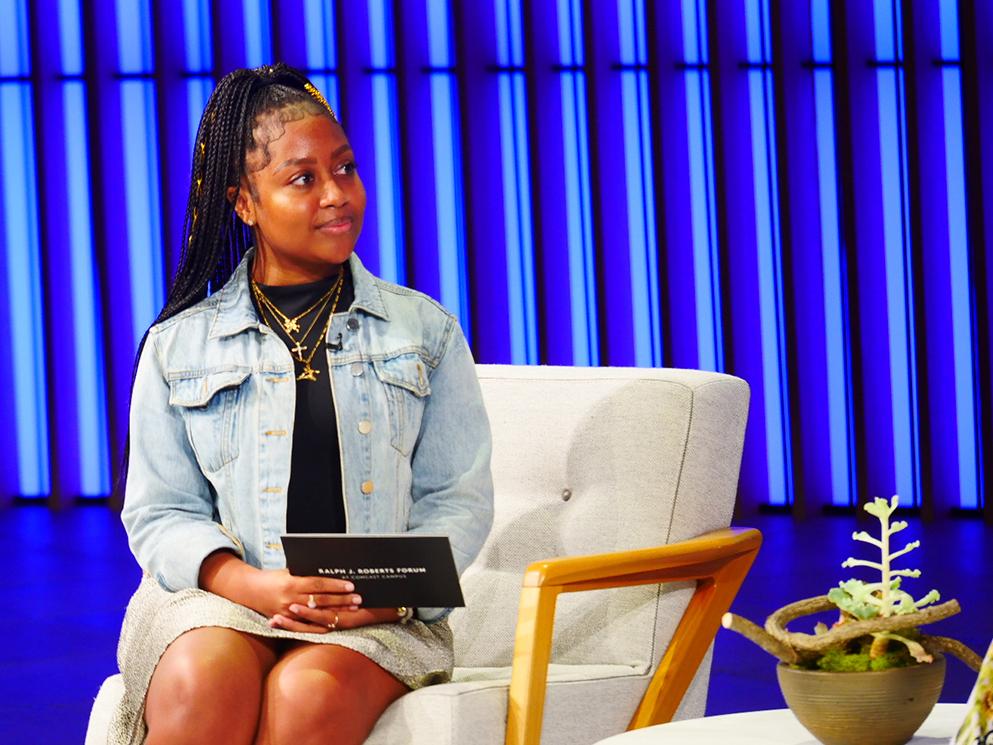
{"x":327,"y":703}
{"x":212,"y":676}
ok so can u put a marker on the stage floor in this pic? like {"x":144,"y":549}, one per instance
{"x":68,"y":577}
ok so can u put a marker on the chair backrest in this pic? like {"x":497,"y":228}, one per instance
{"x":591,"y":460}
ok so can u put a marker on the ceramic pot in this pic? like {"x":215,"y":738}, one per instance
{"x":874,"y":708}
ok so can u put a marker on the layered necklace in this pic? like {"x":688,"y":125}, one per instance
{"x":275,"y":318}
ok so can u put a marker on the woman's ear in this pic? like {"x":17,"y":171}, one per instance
{"x":243,"y":206}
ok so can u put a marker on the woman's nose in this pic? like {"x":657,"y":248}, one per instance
{"x":332,"y":195}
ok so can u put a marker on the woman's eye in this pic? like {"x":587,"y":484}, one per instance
{"x":303,"y":178}
{"x":347,"y":168}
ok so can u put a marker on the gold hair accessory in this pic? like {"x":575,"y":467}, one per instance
{"x":319,"y":97}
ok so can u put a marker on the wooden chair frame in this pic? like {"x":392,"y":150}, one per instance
{"x":718,"y":561}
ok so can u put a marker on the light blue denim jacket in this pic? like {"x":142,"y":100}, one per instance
{"x":212,"y":428}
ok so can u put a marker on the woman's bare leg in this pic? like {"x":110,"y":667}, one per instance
{"x":207,"y":688}
{"x":326,"y":695}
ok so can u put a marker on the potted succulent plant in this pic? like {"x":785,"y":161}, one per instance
{"x":874,"y":664}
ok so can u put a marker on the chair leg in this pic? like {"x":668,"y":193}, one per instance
{"x":532,"y":651}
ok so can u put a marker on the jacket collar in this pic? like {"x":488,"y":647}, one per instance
{"x":236,"y":313}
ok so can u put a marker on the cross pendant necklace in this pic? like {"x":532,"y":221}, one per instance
{"x":298,"y":350}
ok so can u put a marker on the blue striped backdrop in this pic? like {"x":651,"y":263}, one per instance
{"x":796,"y":192}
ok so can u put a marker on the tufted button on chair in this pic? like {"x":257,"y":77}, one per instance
{"x":594,"y":602}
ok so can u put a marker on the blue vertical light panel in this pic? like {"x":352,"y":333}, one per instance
{"x":19,"y":254}
{"x":515,"y":169}
{"x":575,"y":143}
{"x":703,"y":203}
{"x":958,"y":254}
{"x":646,"y":320}
{"x":92,"y":455}
{"x":767,"y":243}
{"x":258,"y":33}
{"x":321,"y":54}
{"x":142,"y":210}
{"x":896,"y":231}
{"x":832,"y":261}
{"x":447,"y":166}
{"x":198,"y":55}
{"x":384,"y":98}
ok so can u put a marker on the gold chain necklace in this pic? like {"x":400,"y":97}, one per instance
{"x":289,"y":324}
{"x":308,"y":372}
{"x":265,"y":304}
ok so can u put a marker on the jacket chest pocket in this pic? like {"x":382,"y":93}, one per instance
{"x":405,"y":381}
{"x":210,"y":405}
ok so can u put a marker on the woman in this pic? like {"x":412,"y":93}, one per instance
{"x":302,"y":395}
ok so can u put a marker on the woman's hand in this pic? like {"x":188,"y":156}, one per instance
{"x":324,"y":619}
{"x":277,"y":592}
{"x":272,"y":592}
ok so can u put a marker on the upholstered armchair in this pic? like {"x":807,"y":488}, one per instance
{"x":595,"y":600}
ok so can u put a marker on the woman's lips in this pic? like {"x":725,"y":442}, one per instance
{"x":338,"y":225}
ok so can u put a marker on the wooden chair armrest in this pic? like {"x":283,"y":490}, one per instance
{"x":690,"y":559}
{"x":718,"y":561}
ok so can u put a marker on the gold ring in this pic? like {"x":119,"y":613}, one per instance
{"x":311,"y":603}
{"x":333,"y":626}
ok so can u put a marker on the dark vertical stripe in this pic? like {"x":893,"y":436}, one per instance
{"x":975,"y":19}
{"x":910,"y":171}
{"x":401,"y":75}
{"x":166,"y":118}
{"x":791,"y":406}
{"x":720,"y":179}
{"x":340,"y":42}
{"x":914,"y":202}
{"x":276,"y":27}
{"x":473,"y":259}
{"x":594,"y":126}
{"x":846,"y":206}
{"x":657,"y":110}
{"x":217,"y":24}
{"x":531,"y":43}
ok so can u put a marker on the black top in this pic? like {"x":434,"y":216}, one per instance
{"x":314,"y":502}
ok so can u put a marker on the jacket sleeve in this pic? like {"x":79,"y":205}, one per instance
{"x":452,"y":487}
{"x":168,"y":503}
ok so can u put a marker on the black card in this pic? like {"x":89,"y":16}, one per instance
{"x":416,"y":571}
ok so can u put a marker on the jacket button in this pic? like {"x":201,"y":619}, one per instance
{"x":357,"y":369}
{"x":353,"y":324}
{"x":365,"y":426}
{"x":367,"y":487}
{"x":566,"y":495}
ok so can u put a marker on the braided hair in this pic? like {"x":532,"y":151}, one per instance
{"x":247,"y":110}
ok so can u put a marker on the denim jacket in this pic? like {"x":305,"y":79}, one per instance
{"x":211,"y":422}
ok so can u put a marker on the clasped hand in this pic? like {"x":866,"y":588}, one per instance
{"x":315,"y":604}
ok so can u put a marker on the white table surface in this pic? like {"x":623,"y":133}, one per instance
{"x":773,"y":727}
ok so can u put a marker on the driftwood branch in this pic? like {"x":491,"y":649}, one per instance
{"x":945,"y":645}
{"x":755,"y":634}
{"x":777,"y":622}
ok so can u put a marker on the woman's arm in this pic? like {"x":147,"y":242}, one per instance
{"x":168,"y":507}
